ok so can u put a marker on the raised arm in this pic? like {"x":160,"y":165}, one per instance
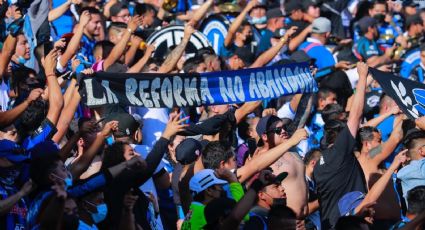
{"x":380,"y":185}
{"x":260,"y":162}
{"x":55,"y":94}
{"x":356,"y":110}
{"x":60,"y":10}
{"x":200,"y":12}
{"x":237,"y":23}
{"x":68,"y":111}
{"x":7,"y":204}
{"x":391,"y":144}
{"x":137,"y":68}
{"x":74,"y":43}
{"x":7,"y":53}
{"x":119,"y":48}
{"x":9,"y":116}
{"x":269,"y":54}
{"x":300,"y":38}
{"x":172,"y":59}
{"x":377,"y":120}
{"x":81,"y":164}
{"x":246,"y":109}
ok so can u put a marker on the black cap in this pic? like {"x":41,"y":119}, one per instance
{"x":188,"y":151}
{"x":300,"y":56}
{"x":265,"y":122}
{"x":274,"y":13}
{"x":366,"y":22}
{"x":246,"y":55}
{"x":127,"y":125}
{"x":116,"y":8}
{"x":307,"y":3}
{"x":410,"y":3}
{"x":292,"y":5}
{"x":413,"y":20}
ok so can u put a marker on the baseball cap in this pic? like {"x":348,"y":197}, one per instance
{"x":274,"y":13}
{"x":300,"y":56}
{"x":12,"y":151}
{"x":188,"y":151}
{"x":349,"y":202}
{"x":246,"y":55}
{"x":127,"y":125}
{"x":291,"y":6}
{"x":203,"y":180}
{"x":366,"y":22}
{"x":307,"y":3}
{"x":116,"y":8}
{"x":265,"y":122}
{"x":321,"y":25}
{"x":410,"y":3}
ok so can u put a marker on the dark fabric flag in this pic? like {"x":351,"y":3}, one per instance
{"x":194,"y":89}
{"x":409,"y":95}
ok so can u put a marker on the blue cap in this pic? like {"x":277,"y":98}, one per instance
{"x":12,"y":151}
{"x":349,"y":202}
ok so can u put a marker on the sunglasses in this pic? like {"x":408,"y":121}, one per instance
{"x":277,"y":130}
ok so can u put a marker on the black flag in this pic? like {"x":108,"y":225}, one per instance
{"x":409,"y":95}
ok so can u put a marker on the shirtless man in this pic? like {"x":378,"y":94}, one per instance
{"x":272,"y":132}
{"x":373,"y":152}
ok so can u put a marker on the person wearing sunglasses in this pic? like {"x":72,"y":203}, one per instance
{"x":273,"y":132}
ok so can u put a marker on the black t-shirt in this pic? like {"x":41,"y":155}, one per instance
{"x":337,"y":173}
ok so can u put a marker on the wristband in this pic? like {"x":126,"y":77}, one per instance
{"x":283,"y":40}
{"x":51,"y":74}
{"x":129,"y":30}
{"x":257,"y":185}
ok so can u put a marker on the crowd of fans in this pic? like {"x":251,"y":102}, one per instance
{"x":355,"y":161}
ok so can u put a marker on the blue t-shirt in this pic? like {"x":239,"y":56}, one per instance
{"x":367,"y":48}
{"x":323,"y":56}
{"x":265,"y":42}
{"x":389,"y":32}
{"x":87,"y":49}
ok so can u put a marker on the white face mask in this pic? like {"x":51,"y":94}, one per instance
{"x":260,"y":20}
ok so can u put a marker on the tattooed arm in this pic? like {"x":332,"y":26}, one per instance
{"x":172,"y":59}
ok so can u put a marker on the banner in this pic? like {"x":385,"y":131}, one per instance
{"x":409,"y":95}
{"x":180,"y":90}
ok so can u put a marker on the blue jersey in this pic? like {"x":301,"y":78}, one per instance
{"x":15,"y":217}
{"x":387,"y":36}
{"x":41,"y":134}
{"x":366,"y":48}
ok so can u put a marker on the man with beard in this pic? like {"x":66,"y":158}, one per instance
{"x":367,"y":48}
{"x":91,"y":32}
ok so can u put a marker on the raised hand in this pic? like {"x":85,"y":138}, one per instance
{"x":290,"y":32}
{"x":188,"y":30}
{"x":362,"y":69}
{"x":27,"y":188}
{"x":174,"y":126}
{"x":150,"y":49}
{"x":109,"y":128}
{"x":226,"y":175}
{"x":34,"y":95}
{"x":400,"y":159}
{"x":269,"y":111}
{"x":59,"y":44}
{"x":130,"y":200}
{"x":299,"y":135}
{"x":134,"y":23}
{"x":344,"y":65}
{"x":85,"y":18}
{"x":50,"y":62}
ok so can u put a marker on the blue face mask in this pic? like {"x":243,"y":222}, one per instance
{"x":102,"y":211}
{"x":261,"y":20}
{"x":21,"y":60}
{"x":67,"y":180}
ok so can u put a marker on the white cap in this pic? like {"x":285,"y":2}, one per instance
{"x":203,"y":180}
{"x":321,"y":25}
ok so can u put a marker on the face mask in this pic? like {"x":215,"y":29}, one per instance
{"x":21,"y":60}
{"x":279,"y":201}
{"x":102,"y":211}
{"x":248,"y":39}
{"x":67,"y":180}
{"x":70,"y":222}
{"x":375,"y":151}
{"x":380,"y":18}
{"x":261,"y":20}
